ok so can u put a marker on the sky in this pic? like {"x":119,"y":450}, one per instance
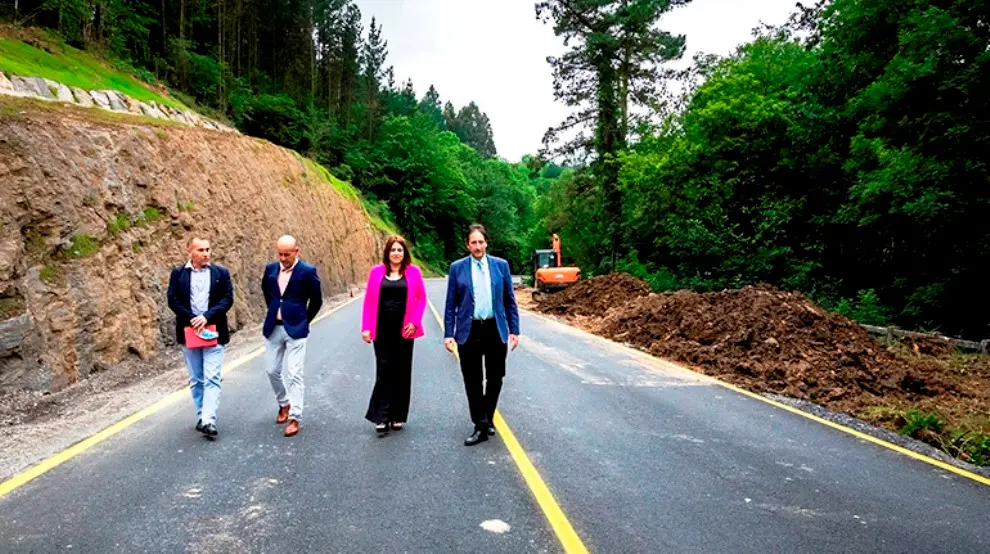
{"x":493,"y":52}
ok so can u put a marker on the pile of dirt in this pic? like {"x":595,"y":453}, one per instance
{"x":770,"y":341}
{"x":594,"y":296}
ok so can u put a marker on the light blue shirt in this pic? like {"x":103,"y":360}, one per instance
{"x":481,"y":282}
{"x":199,"y":289}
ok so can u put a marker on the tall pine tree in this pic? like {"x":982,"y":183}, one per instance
{"x":430,"y":105}
{"x":614,"y":60}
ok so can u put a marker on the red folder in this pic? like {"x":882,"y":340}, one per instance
{"x":193,"y":340}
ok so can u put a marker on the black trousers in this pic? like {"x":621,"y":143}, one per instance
{"x":484,"y":345}
{"x":393,"y":375}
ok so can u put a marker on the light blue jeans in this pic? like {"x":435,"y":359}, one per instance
{"x":204,"y":365}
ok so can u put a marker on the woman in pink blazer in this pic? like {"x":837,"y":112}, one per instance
{"x":394,"y":303}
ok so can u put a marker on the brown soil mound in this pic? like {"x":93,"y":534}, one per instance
{"x":594,"y":296}
{"x":770,"y":341}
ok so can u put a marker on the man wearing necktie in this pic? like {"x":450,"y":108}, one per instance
{"x":481,"y":318}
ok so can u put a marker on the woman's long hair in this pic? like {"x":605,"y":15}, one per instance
{"x":406,"y":256}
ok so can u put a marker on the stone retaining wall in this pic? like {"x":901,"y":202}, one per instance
{"x":110,"y":100}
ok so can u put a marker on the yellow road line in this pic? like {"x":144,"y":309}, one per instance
{"x":858,"y":434}
{"x":565,"y":532}
{"x":39,"y":469}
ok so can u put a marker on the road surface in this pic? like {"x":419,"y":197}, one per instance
{"x":638,"y":457}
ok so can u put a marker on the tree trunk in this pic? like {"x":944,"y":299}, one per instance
{"x":624,"y":71}
{"x":608,"y":146}
{"x":624,"y":96}
{"x":220,"y":53}
{"x":164,"y":29}
{"x":312,"y":59}
{"x":183,"y":73}
{"x":237,"y":33}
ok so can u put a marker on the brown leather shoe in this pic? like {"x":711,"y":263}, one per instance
{"x":283,"y":414}
{"x":292,"y":428}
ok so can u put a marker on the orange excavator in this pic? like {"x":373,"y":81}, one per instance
{"x":549,"y":275}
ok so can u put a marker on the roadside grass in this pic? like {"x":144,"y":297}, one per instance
{"x":967,"y":439}
{"x":55,"y":60}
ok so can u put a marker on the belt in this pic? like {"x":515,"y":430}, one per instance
{"x":483,"y":321}
{"x":278,"y":322}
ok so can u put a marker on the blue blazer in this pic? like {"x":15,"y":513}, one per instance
{"x":459,"y":309}
{"x":300,"y":303}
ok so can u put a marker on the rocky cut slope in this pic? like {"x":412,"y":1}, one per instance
{"x":95,"y":208}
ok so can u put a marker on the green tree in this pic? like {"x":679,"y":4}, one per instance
{"x":374,"y":52}
{"x":430,"y":106}
{"x":473,"y":127}
{"x":613,"y":59}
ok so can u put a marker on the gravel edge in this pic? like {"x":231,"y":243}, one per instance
{"x":856,"y":424}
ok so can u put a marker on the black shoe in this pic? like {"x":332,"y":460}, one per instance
{"x":476,"y":437}
{"x":210,"y":430}
{"x":199,"y":425}
{"x":491,"y":430}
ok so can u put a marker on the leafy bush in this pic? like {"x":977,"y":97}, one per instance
{"x":866,"y":309}
{"x":971,"y":446}
{"x":917,"y":421}
{"x":205,"y":76}
{"x":660,"y":279}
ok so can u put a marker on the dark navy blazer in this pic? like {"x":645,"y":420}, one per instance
{"x":300,"y":303}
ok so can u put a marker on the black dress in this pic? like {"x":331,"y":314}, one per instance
{"x":393,"y":357}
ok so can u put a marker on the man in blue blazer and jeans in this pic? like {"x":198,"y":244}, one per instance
{"x":292,"y":293}
{"x":201,"y":293}
{"x":482,"y":319}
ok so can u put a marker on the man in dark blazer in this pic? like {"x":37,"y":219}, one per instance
{"x":481,"y":317}
{"x":292,"y":293}
{"x":200,"y":294}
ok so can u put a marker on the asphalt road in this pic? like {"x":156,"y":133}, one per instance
{"x":640,"y":457}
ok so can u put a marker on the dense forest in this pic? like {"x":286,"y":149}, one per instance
{"x":843,"y":154}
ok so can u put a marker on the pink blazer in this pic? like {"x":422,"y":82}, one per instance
{"x":415,"y":301}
